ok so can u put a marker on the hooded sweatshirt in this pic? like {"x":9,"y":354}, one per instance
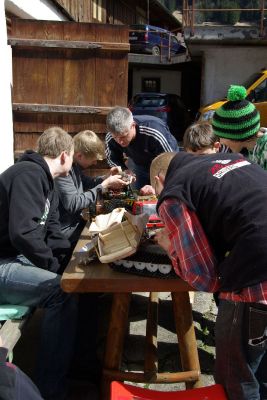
{"x":76,"y":192}
{"x":29,"y":221}
{"x":228,"y":194}
{"x":14,"y":384}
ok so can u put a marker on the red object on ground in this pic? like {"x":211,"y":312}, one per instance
{"x":122,"y":391}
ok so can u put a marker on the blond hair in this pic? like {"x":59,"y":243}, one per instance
{"x":53,"y":142}
{"x":160,"y":165}
{"x":199,"y":136}
{"x":89,"y":144}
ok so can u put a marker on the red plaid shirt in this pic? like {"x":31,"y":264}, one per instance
{"x":192,"y":257}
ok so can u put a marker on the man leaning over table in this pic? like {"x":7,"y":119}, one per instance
{"x":78,"y":191}
{"x":141,"y":138}
{"x":213,"y":205}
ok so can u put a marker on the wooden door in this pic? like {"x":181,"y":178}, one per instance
{"x":66,"y":74}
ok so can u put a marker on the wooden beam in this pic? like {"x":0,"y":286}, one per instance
{"x":59,"y":108}
{"x":68,"y":44}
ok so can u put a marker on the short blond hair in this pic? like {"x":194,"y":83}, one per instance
{"x":199,"y":136}
{"x":89,"y":144}
{"x":53,"y":142}
{"x":159,"y":165}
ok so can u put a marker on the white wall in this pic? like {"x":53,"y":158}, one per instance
{"x":6,"y":148}
{"x":170,"y":80}
{"x":228,"y":65}
{"x":32,"y":9}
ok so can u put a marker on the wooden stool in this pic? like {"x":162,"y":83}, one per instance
{"x":186,"y":339}
{"x":100,"y":278}
{"x":120,"y":391}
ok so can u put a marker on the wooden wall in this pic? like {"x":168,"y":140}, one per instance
{"x":79,"y":10}
{"x":66,"y":74}
{"x":113,"y":11}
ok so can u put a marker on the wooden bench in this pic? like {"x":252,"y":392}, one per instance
{"x":11,"y":329}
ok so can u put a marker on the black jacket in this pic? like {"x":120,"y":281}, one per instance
{"x":29,"y":221}
{"x":229,"y":195}
{"x":153,"y":137}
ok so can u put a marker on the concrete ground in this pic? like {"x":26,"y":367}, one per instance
{"x":204,"y":314}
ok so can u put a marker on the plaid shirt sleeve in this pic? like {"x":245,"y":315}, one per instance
{"x":191,"y":254}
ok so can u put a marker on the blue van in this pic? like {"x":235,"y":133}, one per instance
{"x":153,"y":40}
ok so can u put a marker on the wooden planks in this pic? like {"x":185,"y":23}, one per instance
{"x":68,"y":44}
{"x":58,"y":108}
{"x":67,"y":74}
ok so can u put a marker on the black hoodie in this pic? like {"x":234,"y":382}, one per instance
{"x":14,"y":384}
{"x":29,"y":223}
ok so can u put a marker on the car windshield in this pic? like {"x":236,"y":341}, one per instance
{"x":137,"y":27}
{"x":252,"y":79}
{"x":148,"y":101}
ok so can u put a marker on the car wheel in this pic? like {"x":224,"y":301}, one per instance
{"x":155,"y":50}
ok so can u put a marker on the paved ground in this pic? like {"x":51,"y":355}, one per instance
{"x":204,"y":314}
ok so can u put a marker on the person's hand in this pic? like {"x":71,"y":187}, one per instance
{"x":114,"y":182}
{"x":118,"y":171}
{"x":147,"y":190}
{"x":162,"y":239}
{"x":115,"y":171}
{"x":131,"y":174}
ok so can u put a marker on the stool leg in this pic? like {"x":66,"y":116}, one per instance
{"x":186,"y":334}
{"x":115,"y":337}
{"x":151,"y":347}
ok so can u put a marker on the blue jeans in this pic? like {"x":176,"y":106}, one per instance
{"x":241,"y":350}
{"x":22,"y":283}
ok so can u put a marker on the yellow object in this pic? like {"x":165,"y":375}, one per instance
{"x":256,"y":93}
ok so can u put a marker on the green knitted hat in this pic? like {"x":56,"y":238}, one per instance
{"x":237,"y":119}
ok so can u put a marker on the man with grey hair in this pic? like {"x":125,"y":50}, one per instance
{"x":140,"y":138}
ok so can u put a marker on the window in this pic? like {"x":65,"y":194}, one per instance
{"x":261,"y":92}
{"x":151,"y":85}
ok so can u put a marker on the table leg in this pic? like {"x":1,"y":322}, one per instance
{"x":186,"y":334}
{"x":115,"y":338}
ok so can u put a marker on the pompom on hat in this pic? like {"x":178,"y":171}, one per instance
{"x":237,"y":119}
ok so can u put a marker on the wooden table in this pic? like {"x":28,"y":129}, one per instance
{"x":97,"y":277}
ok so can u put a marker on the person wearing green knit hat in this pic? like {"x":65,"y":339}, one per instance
{"x":237,"y":124}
